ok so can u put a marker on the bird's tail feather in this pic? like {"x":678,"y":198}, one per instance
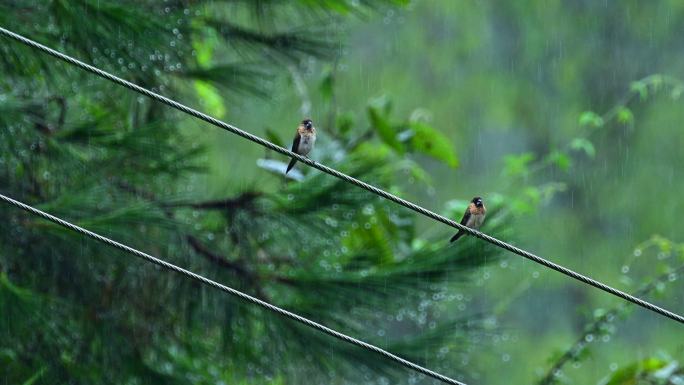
{"x":289,"y":166}
{"x":458,"y":235}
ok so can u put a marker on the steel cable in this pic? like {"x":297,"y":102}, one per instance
{"x":345,"y":177}
{"x":231,"y":291}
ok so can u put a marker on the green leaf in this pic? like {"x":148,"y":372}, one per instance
{"x":211,"y":99}
{"x":656,"y":81}
{"x":630,"y":374}
{"x":420,"y":115}
{"x":416,"y":172}
{"x":641,"y":88}
{"x":204,"y":48}
{"x":591,"y":119}
{"x":625,"y":115}
{"x":517,"y":164}
{"x":432,"y":142}
{"x":527,"y":203}
{"x":548,"y":191}
{"x":560,"y":159}
{"x":380,"y":122}
{"x":533,"y":193}
{"x":584,"y":145}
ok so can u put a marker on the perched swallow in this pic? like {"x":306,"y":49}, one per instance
{"x":473,"y":217}
{"x":303,"y":141}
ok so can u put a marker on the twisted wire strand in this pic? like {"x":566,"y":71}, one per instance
{"x":345,"y":177}
{"x":231,"y":291}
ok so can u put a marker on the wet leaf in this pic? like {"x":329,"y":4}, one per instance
{"x":204,"y":50}
{"x":640,"y":88}
{"x":625,"y":115}
{"x":585,"y":145}
{"x":431,"y":142}
{"x":560,"y":159}
{"x":630,"y":374}
{"x":518,"y":164}
{"x":382,"y":126}
{"x":211,"y":99}
{"x":590,"y":119}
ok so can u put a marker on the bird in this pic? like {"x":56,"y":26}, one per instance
{"x":303,"y":141}
{"x":473,"y":217}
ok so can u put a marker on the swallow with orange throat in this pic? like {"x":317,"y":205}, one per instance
{"x":473,"y":217}
{"x":303,"y":141}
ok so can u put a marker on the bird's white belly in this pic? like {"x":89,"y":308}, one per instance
{"x":306,"y":144}
{"x":475,"y":221}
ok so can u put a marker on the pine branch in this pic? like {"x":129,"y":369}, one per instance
{"x":229,"y":204}
{"x":219,"y":260}
{"x":242,"y":201}
{"x":289,"y":45}
{"x":39,"y":111}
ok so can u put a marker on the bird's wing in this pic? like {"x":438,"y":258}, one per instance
{"x":295,"y":149}
{"x":464,"y":222}
{"x":466,"y":217}
{"x":295,"y":143}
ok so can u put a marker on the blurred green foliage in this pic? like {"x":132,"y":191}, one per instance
{"x":649,"y":371}
{"x":116,"y":163}
{"x":564,"y":116}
